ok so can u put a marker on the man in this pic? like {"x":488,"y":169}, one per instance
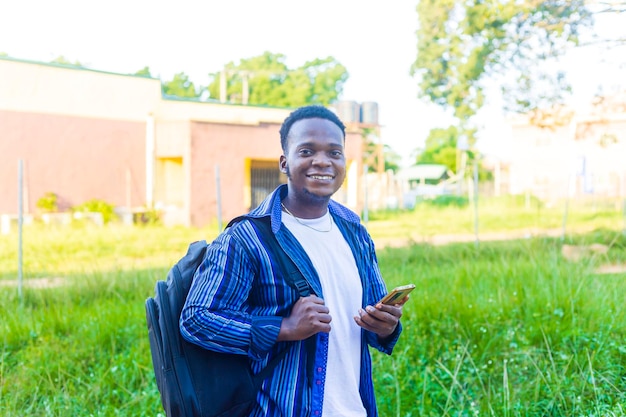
{"x":238,"y":305}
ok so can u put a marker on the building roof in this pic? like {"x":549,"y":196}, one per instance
{"x":424,"y":171}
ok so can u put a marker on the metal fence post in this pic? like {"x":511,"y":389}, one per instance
{"x":20,"y":223}
{"x":218,"y":192}
{"x":476,"y":202}
{"x":365,"y":202}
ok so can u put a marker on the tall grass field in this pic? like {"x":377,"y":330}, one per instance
{"x":506,"y":328}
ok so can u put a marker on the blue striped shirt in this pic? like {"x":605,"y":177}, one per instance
{"x":238,"y":299}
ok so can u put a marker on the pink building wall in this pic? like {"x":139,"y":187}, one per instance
{"x":229,"y":146}
{"x":85,"y":134}
{"x":77,"y":158}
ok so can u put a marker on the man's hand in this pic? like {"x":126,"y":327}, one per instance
{"x":308,"y":316}
{"x":381,"y":319}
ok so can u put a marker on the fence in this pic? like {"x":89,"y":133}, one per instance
{"x":390,"y":191}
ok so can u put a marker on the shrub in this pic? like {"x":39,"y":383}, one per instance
{"x":48,"y":203}
{"x":446,"y":201}
{"x":149,"y":217}
{"x":97,"y":206}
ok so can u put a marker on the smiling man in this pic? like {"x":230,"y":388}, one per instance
{"x":239,"y":304}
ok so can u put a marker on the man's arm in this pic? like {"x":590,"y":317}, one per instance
{"x":215,"y":315}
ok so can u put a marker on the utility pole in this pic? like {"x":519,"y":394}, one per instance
{"x":245,"y":93}
{"x":244,"y":87}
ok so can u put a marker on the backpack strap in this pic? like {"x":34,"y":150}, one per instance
{"x":293,"y":275}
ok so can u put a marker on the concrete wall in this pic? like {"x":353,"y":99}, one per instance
{"x":44,"y":88}
{"x":571,"y":159}
{"x":77,"y":158}
{"x":226,"y":146}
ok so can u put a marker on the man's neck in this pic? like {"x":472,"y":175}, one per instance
{"x":311,"y":209}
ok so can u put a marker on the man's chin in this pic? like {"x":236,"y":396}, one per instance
{"x":318,"y":196}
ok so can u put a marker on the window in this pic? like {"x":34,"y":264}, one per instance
{"x":264,"y":178}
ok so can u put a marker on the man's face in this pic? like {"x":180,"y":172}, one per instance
{"x":314,"y":162}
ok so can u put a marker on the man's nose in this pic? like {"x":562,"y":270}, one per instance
{"x":321,"y":159}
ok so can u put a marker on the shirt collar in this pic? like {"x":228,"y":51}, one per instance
{"x":271,"y":207}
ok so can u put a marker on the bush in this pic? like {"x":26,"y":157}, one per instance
{"x":48,"y":203}
{"x":149,"y":217}
{"x":447,"y":201}
{"x":97,"y":206}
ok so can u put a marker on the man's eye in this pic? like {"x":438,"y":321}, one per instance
{"x":305,"y":152}
{"x":336,"y":153}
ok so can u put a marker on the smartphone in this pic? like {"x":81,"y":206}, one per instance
{"x":397,"y":294}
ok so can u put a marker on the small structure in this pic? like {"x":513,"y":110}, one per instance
{"x":426,"y":181}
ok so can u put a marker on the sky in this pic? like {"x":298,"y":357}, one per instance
{"x":374,"y":39}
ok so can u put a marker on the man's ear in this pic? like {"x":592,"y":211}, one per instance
{"x":282,"y":164}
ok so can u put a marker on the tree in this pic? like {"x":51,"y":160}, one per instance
{"x":181,"y":86}
{"x":144,"y":72}
{"x":463,"y":44}
{"x":267,"y":80}
{"x":64,"y":61}
{"x":441,"y":148}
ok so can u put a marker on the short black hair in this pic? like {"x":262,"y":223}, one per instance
{"x":308,"y":112}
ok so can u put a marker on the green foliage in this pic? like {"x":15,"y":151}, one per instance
{"x":271,"y":82}
{"x":144,"y":72}
{"x":440,"y":148}
{"x":150,"y":217}
{"x":97,"y":206}
{"x":64,"y":61}
{"x":445,"y":201}
{"x":181,"y":86}
{"x":462,"y":44}
{"x":48,"y":203}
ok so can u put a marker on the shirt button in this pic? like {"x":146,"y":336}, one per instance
{"x":319,"y":369}
{"x":318,"y":382}
{"x":317,"y":412}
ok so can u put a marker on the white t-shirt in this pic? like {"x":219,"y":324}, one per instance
{"x":332,"y":258}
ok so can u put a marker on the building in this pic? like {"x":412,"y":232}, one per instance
{"x":571,"y":154}
{"x":85,"y":134}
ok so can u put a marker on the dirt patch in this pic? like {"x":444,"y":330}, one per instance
{"x":444,"y":239}
{"x":577,"y":252}
{"x":49,"y":282}
{"x":611,"y":269}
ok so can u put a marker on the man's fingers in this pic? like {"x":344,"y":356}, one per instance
{"x":379,"y":321}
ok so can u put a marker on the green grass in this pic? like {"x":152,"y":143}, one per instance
{"x":508,"y":329}
{"x":503,"y":329}
{"x":502,"y":214}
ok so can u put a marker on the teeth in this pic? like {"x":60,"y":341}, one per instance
{"x":322,"y":177}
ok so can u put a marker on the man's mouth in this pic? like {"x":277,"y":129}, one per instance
{"x":321,"y":177}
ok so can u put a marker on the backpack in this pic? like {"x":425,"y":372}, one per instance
{"x":197,"y":382}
